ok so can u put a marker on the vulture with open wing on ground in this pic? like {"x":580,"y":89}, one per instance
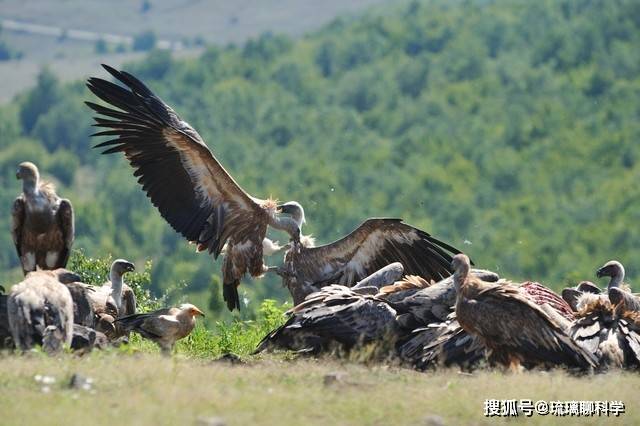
{"x":42,"y":223}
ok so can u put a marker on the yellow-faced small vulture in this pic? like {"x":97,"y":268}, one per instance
{"x":164,"y":326}
{"x":514,"y":329}
{"x":183,"y":179}
{"x":40,"y":311}
{"x":42,"y":223}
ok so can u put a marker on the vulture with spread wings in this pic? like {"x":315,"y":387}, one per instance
{"x":183,"y":179}
{"x":373,"y":245}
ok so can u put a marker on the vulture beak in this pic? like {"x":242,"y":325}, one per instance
{"x":281,"y":208}
{"x":130,"y":267}
{"x":600,"y":273}
{"x":18,"y":175}
{"x":198,"y":312}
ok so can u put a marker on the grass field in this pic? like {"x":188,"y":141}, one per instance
{"x":149,"y":389}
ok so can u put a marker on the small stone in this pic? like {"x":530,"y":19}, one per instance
{"x":433,"y":420}
{"x":78,"y":381}
{"x":211,"y":421}
{"x":335,"y":377}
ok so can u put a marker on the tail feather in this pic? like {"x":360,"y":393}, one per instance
{"x":230,"y":295}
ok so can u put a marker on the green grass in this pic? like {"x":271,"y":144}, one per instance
{"x":149,"y":389}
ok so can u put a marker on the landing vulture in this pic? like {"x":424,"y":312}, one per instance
{"x":164,"y":326}
{"x":374,"y":244}
{"x":40,"y":311}
{"x":183,"y":179}
{"x":515,"y":330}
{"x":42,"y":223}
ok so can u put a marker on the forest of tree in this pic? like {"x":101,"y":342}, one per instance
{"x":509,"y":129}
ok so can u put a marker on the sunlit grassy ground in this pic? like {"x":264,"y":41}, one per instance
{"x":145,"y":388}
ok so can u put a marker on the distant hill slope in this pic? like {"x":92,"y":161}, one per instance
{"x":189,"y":22}
{"x":509,"y":129}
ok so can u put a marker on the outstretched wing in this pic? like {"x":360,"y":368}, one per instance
{"x":17,"y":223}
{"x":373,"y":245}
{"x":190,"y":188}
{"x":67,"y":226}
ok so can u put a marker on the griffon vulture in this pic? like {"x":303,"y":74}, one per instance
{"x":515,"y":330}
{"x":40,"y":311}
{"x":184,"y":180}
{"x":164,"y":326}
{"x":42,"y":223}
{"x":335,"y":316}
{"x":374,"y":244}
{"x":113,"y":299}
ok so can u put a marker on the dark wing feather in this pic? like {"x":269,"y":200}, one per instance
{"x":67,"y":225}
{"x":190,"y":188}
{"x":373,"y":245}
{"x":17,"y":222}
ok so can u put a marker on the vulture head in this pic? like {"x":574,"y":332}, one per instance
{"x":119,"y":267}
{"x":293,"y":209}
{"x":461,"y":266}
{"x":613,"y":269}
{"x":28,"y":172}
{"x":191,"y":310}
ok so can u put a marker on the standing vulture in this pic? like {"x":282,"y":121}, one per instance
{"x":40,"y":311}
{"x":164,"y":326}
{"x":200,"y":200}
{"x":515,"y":330}
{"x":190,"y":188}
{"x":42,"y":223}
{"x":113,"y":299}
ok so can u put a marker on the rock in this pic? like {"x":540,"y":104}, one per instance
{"x":78,"y":381}
{"x":433,"y":420}
{"x":211,"y":421}
{"x":335,"y":377}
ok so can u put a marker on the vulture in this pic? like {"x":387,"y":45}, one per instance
{"x":5,"y":331}
{"x":40,"y":311}
{"x":201,"y":201}
{"x":514,"y":329}
{"x":608,"y":324}
{"x":377,"y":242}
{"x":42,"y":223}
{"x":164,"y":326}
{"x":113,"y":299}
{"x":333,"y":317}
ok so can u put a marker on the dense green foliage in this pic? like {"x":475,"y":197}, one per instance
{"x":509,"y":129}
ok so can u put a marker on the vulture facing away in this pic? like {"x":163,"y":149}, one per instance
{"x":164,"y":326}
{"x":40,"y":311}
{"x":183,"y":179}
{"x":514,"y":329}
{"x":335,"y":316}
{"x":42,"y":223}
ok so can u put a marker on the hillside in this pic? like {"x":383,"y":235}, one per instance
{"x":508,"y":129}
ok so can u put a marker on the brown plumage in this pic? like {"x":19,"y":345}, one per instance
{"x":513,"y":328}
{"x":42,"y":223}
{"x":373,"y":245}
{"x":40,"y":311}
{"x":164,"y":326}
{"x":335,"y":316}
{"x":190,"y":188}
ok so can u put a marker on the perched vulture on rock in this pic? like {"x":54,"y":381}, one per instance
{"x":42,"y":223}
{"x":40,"y":311}
{"x":164,"y":326}
{"x":514,"y":329}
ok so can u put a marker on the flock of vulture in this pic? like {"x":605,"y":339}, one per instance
{"x":387,"y":285}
